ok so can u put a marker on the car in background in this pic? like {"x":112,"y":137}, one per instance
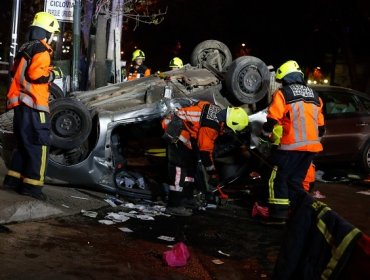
{"x":347,"y":120}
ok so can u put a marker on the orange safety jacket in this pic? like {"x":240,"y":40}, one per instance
{"x":299,"y":110}
{"x":199,"y":122}
{"x":31,"y":76}
{"x":135,"y":73}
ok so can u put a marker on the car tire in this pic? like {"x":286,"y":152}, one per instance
{"x":55,"y":92}
{"x":365,"y":159}
{"x":247,"y":79}
{"x":70,"y":123}
{"x":212,"y":52}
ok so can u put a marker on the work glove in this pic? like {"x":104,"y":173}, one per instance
{"x":58,"y":74}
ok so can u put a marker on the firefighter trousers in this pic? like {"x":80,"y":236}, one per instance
{"x":285,"y":185}
{"x":182,"y":164}
{"x":29,"y":159}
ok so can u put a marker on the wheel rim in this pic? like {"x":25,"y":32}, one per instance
{"x":66,"y":123}
{"x":249,"y":79}
{"x":213,"y":57}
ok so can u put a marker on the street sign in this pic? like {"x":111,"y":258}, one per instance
{"x":61,"y":9}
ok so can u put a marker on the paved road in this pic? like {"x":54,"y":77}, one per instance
{"x":54,"y":240}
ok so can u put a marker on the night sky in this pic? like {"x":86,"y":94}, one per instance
{"x":275,"y":31}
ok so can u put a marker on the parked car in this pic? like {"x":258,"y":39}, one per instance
{"x":347,"y":118}
{"x":104,"y":139}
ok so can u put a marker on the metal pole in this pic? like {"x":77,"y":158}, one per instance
{"x":15,"y":27}
{"x":76,"y":44}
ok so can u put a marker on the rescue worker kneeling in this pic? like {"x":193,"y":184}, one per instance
{"x":191,"y":133}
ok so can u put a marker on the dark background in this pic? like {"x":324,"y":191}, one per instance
{"x":315,"y":33}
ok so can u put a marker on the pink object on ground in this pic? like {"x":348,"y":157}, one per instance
{"x":260,"y":211}
{"x":317,"y":194}
{"x":177,"y":256}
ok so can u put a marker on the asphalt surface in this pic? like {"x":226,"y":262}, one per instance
{"x":52,"y":239}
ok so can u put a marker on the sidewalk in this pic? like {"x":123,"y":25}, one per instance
{"x":61,"y":201}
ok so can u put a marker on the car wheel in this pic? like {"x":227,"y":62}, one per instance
{"x":55,"y":92}
{"x":70,"y":123}
{"x":247,"y":79}
{"x":212,"y":52}
{"x":365,"y":159}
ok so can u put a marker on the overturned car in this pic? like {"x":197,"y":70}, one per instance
{"x":109,"y":139}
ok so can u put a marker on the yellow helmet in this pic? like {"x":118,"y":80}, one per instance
{"x":176,"y":62}
{"x":236,"y":118}
{"x":46,"y":21}
{"x":286,"y":68}
{"x":138,"y":54}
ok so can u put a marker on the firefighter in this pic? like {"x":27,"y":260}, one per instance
{"x":137,"y":68}
{"x":176,"y":63}
{"x":191,"y":133}
{"x":28,"y":96}
{"x":298,"y":108}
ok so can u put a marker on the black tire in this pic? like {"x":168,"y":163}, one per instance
{"x":365,"y":159}
{"x":70,"y":123}
{"x":247,"y":79}
{"x":55,"y":92}
{"x":212,"y":52}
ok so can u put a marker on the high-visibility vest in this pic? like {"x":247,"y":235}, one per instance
{"x":199,"y":122}
{"x":299,"y":110}
{"x":140,"y":72}
{"x":31,"y":76}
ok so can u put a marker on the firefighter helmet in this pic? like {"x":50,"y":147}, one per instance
{"x":46,"y":21}
{"x":138,"y":54}
{"x":236,"y":118}
{"x":286,"y":68}
{"x":176,"y":62}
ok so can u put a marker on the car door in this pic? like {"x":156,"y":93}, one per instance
{"x":347,"y":125}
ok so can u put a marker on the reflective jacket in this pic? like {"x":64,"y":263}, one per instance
{"x":135,"y":73}
{"x":31,"y":76}
{"x":198,"y":123}
{"x":298,"y":109}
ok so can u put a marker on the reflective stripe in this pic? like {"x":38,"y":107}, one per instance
{"x":289,"y":147}
{"x":315,"y":110}
{"x":338,"y":252}
{"x":44,"y":151}
{"x":42,"y":117}
{"x":33,"y":182}
{"x":185,"y":141}
{"x":193,"y":116}
{"x":272,"y":199}
{"x":271,"y":182}
{"x":189,"y":179}
{"x":26,"y":99}
{"x":14,"y":174}
{"x":177,"y":187}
